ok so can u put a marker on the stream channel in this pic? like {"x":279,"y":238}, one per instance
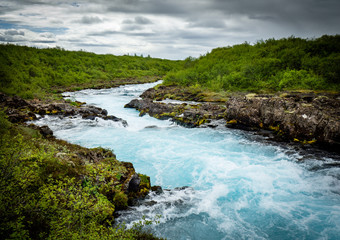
{"x":239,"y":186}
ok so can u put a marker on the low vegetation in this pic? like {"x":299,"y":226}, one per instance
{"x":35,"y":73}
{"x":267,"y":66}
{"x":54,"y":190}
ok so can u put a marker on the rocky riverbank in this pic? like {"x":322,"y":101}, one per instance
{"x":19,"y":110}
{"x":122,"y":183}
{"x":184,"y":114}
{"x":305,"y":117}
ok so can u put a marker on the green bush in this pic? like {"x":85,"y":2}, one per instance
{"x":270,"y":65}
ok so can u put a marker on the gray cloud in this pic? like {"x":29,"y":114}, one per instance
{"x":142,"y":20}
{"x":152,"y":6}
{"x":108,"y":33}
{"x":95,"y":45}
{"x":302,"y":10}
{"x":13,"y":32}
{"x":21,"y":36}
{"x":136,"y":24}
{"x":90,"y":20}
{"x":170,"y":27}
{"x":12,"y":35}
{"x":103,"y":33}
{"x":138,"y":20}
{"x":44,"y":41}
{"x":209,"y":23}
{"x":132,"y":27}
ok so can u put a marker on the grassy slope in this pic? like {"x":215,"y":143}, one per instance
{"x":268,"y":66}
{"x":30,"y":72}
{"x":51,"y":189}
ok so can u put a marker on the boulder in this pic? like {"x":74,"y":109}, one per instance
{"x":133,"y":185}
{"x":46,"y":131}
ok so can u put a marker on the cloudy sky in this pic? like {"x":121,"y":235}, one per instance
{"x":173,"y":29}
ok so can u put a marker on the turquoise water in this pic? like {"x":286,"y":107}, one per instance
{"x":239,"y":185}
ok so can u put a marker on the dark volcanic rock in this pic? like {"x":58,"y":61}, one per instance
{"x":19,"y":110}
{"x":157,"y":189}
{"x":134,"y":183}
{"x":305,"y":118}
{"x":184,"y":114}
{"x":46,"y":131}
{"x":89,"y":117}
{"x":12,"y":102}
{"x":116,"y":119}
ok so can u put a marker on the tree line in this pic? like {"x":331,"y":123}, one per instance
{"x":269,"y":65}
{"x":31,"y":72}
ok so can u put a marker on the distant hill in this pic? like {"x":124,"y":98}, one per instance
{"x":30,"y":72}
{"x":267,"y":66}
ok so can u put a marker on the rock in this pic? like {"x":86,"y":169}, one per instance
{"x":12,"y":102}
{"x":183,"y":114}
{"x":150,"y":203}
{"x":183,"y":188}
{"x":134,"y":183}
{"x":157,"y":189}
{"x":116,"y":119}
{"x":19,"y":110}
{"x":104,"y":112}
{"x":46,"y":131}
{"x":307,"y":118}
{"x":152,"y":127}
{"x":89,"y":117}
{"x":95,"y":155}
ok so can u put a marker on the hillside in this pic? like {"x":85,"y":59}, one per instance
{"x":31,"y":72}
{"x":267,"y":66}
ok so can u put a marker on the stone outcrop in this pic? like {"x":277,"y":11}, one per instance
{"x":19,"y":110}
{"x":306,"y":118}
{"x":135,"y":186}
{"x":184,"y":114}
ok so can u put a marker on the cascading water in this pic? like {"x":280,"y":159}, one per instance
{"x":239,"y":187}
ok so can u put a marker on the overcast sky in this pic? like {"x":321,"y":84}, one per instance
{"x":173,"y":29}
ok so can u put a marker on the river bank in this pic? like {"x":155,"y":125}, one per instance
{"x":306,"y":117}
{"x":62,"y":175}
{"x":20,"y":111}
{"x":230,"y":176}
{"x":240,"y":185}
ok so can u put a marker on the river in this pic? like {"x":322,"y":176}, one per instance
{"x":239,"y":185}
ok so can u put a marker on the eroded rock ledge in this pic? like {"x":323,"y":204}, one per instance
{"x":19,"y":110}
{"x":184,"y":114}
{"x":304,"y":117}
